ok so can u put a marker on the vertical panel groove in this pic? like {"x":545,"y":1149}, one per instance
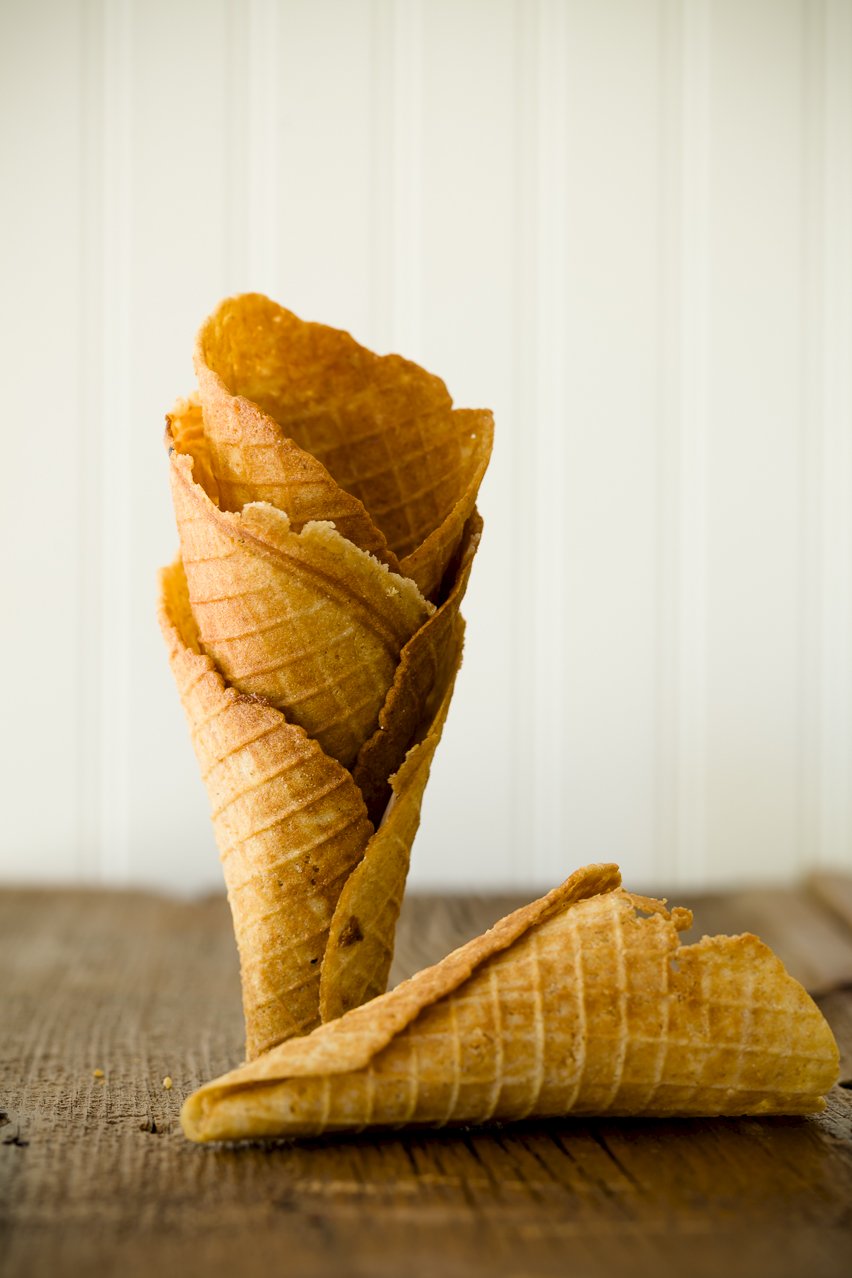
{"x":116,"y":672}
{"x":547,"y":568}
{"x":836,"y":718}
{"x":236,"y":128}
{"x":810,"y":584}
{"x":262,"y":146}
{"x":89,"y":419}
{"x":524,"y":428}
{"x":396,"y":126}
{"x":692,"y":567}
{"x":668,"y":442}
{"x":381,"y":221}
{"x":407,"y":159}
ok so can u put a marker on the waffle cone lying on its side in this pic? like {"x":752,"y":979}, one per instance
{"x":583,"y":1002}
{"x":325,"y":504}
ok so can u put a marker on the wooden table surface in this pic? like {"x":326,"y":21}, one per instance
{"x":96,"y":1177}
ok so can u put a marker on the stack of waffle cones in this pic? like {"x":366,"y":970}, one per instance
{"x":325,"y":500}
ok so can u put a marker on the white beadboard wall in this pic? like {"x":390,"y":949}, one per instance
{"x":626,"y":225}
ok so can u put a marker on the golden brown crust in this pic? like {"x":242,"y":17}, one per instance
{"x":427,"y":665}
{"x":350,"y":1042}
{"x":289,"y":821}
{"x":302,"y":416}
{"x":427,"y":563}
{"x":305,"y":619}
{"x":584,"y":1003}
{"x":301,"y":473}
{"x":361,"y":937}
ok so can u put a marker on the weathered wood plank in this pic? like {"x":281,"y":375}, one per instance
{"x":96,"y":1176}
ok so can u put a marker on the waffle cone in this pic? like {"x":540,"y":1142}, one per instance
{"x":289,"y":821}
{"x":583,"y":1002}
{"x":325,"y":504}
{"x":305,"y":619}
{"x":360,"y":944}
{"x":301,"y":416}
{"x":291,"y":826}
{"x":427,"y":669}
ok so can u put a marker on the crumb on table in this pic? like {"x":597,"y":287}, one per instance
{"x":167,"y":1083}
{"x":98,"y":1074}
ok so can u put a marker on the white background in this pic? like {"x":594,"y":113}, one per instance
{"x":625,"y":225}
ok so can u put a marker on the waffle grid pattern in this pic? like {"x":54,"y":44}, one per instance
{"x":595,"y":1010}
{"x":300,"y":651}
{"x":427,"y":668}
{"x":304,"y":620}
{"x":381,"y":430}
{"x":360,"y":946}
{"x":290,"y":824}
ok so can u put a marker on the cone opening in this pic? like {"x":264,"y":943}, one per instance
{"x":383,"y":428}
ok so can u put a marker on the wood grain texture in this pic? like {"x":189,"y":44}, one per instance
{"x":96,"y":1177}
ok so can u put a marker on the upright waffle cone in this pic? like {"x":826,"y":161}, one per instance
{"x":305,"y":619}
{"x":309,"y":659}
{"x":301,"y":416}
{"x":291,"y":826}
{"x":583,"y":1002}
{"x":290,"y":823}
